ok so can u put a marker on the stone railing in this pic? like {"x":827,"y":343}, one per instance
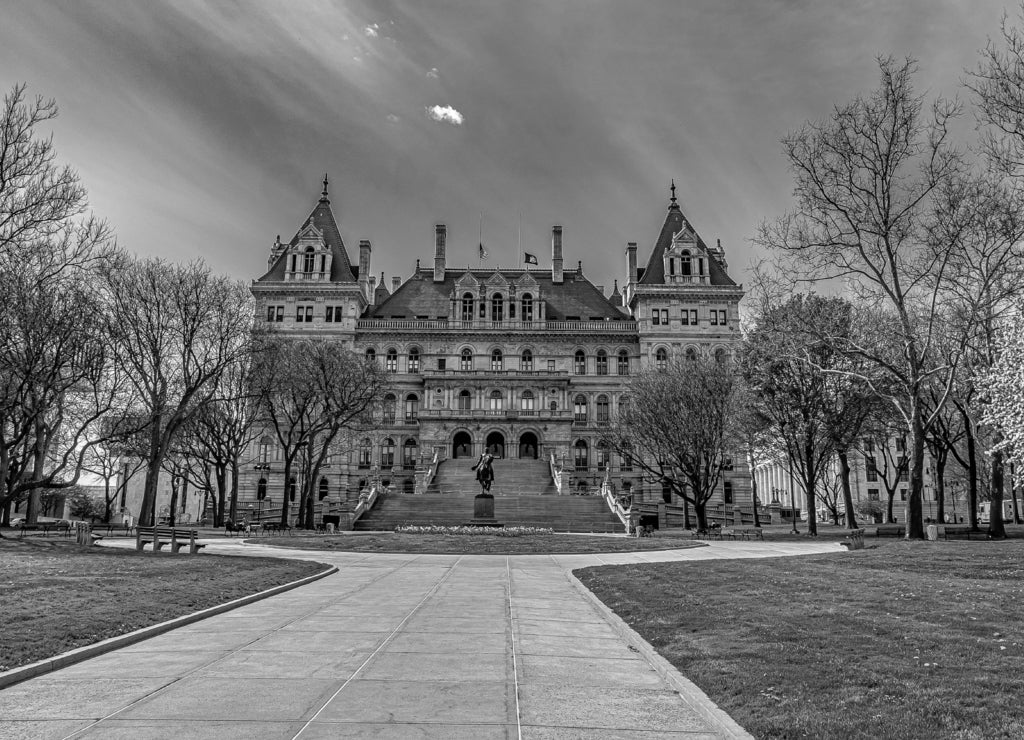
{"x":425,"y":476}
{"x":613,"y":504}
{"x":367,"y":499}
{"x":556,"y":475}
{"x":491,"y":413}
{"x":575,"y":327}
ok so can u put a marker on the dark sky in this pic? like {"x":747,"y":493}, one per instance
{"x":205,"y":128}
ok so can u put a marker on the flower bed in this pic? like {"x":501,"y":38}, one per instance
{"x":475,"y":531}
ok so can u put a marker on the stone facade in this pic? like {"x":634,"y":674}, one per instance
{"x":527,"y":363}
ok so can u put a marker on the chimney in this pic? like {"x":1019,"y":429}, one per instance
{"x":396,"y":283}
{"x":440,"y":237}
{"x":556,"y":255}
{"x":372,"y":282}
{"x":364,"y":269}
{"x":631,"y":262}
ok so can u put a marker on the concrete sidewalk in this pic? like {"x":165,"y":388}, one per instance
{"x":391,"y":646}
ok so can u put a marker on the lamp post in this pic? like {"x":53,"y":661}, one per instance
{"x":261,"y":489}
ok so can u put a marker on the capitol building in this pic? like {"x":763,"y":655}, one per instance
{"x":529,"y":364}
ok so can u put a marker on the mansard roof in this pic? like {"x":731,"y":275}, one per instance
{"x":576,"y":296}
{"x":321,"y":217}
{"x":676,"y":221}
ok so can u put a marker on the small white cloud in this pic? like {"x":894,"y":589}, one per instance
{"x":371,"y":30}
{"x":433,"y":73}
{"x":393,"y":118}
{"x":446,"y":114}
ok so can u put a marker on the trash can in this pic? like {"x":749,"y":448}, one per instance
{"x":933,"y":532}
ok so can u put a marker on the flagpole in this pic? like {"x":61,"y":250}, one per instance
{"x":480,"y":248}
{"x":520,"y":236}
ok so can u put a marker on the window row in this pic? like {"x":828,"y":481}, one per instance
{"x":386,"y":453}
{"x":304,"y":314}
{"x":499,"y":305}
{"x":497,"y":362}
{"x":602,"y":457}
{"x":661,"y":356}
{"x":688,"y":317}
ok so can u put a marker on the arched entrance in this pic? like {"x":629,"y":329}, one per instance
{"x":462,"y":445}
{"x":496,"y":444}
{"x":528,"y":446}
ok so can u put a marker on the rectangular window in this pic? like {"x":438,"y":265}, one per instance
{"x":870,"y":470}
{"x":901,"y":444}
{"x":280,"y":314}
{"x":722,"y":321}
{"x":714,"y":317}
{"x":664,"y":317}
{"x":551,"y":366}
{"x":270,"y":313}
{"x":684,"y":317}
{"x":693,"y":317}
{"x":872,"y":494}
{"x":901,"y":464}
{"x":300,"y":314}
{"x":329,"y":315}
{"x":441,"y":363}
{"x":309,"y":314}
{"x":655,"y":317}
{"x":903,"y":494}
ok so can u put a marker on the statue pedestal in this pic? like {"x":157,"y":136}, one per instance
{"x":483,"y":511}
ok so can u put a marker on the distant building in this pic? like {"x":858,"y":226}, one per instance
{"x":526,"y":363}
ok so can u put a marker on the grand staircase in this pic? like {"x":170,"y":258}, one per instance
{"x":524,"y":495}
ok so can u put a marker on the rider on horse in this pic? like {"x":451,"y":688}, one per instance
{"x":484,"y":471}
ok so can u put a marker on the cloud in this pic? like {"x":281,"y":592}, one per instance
{"x":432,"y":73}
{"x":371,"y":30}
{"x":446,"y":114}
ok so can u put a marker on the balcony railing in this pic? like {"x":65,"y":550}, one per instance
{"x":504,"y":413}
{"x":590,"y":327}
{"x":492,"y":373}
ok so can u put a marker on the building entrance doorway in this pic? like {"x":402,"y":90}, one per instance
{"x":528,"y":446}
{"x":496,"y":444}
{"x":462,"y":445}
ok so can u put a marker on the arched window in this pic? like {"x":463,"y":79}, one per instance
{"x":389,"y":408}
{"x":465,"y":401}
{"x":292,"y":485}
{"x":623,"y":408}
{"x":579,"y":408}
{"x":467,"y":306}
{"x":387,"y":453}
{"x":409,"y":450}
{"x":526,"y":361}
{"x":691,"y":354}
{"x":308,"y":260}
{"x":626,"y":456}
{"x":391,"y":361}
{"x":496,"y":401}
{"x":720,"y":356}
{"x":579,"y":363}
{"x":371,"y":354}
{"x":497,"y":361}
{"x":604,"y":456}
{"x":263,"y":454}
{"x":322,"y":490}
{"x":365,"y":453}
{"x":623,"y":364}
{"x":602,"y":409}
{"x":685,"y":264}
{"x":581,"y":455}
{"x":602,"y":362}
{"x":466,"y":360}
{"x":727,"y":492}
{"x":527,"y":308}
{"x":661,"y":359}
{"x":414,"y":360}
{"x":412,"y":407}
{"x":497,"y":307}
{"x":526,"y":402}
{"x":261,"y":489}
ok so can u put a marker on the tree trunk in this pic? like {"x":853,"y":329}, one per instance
{"x":106,"y":499}
{"x":220,"y":473}
{"x":812,"y":514}
{"x":233,"y":513}
{"x":702,"y":517}
{"x":888,"y":508}
{"x":940,"y":486}
{"x":914,"y":510}
{"x":844,"y":474}
{"x":972,"y":479}
{"x":996,"y":528}
{"x":287,"y":490}
{"x":686,"y":514}
{"x":174,"y":501}
{"x":1013,"y":494}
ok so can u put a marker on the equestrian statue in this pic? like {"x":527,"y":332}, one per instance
{"x":484,"y":472}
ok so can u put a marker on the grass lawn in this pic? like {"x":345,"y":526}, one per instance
{"x":901,"y":640}
{"x":439,"y":544}
{"x":56,"y":596}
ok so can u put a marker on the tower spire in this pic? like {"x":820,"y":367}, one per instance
{"x":323,"y":195}
{"x":673,"y":198}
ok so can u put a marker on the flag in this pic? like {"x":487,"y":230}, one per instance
{"x":483,"y":252}
{"x":530,"y":259}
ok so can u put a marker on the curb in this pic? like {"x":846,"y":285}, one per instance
{"x":690,"y":693}
{"x":48,"y":665}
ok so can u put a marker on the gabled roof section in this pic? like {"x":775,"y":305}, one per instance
{"x":322,"y":219}
{"x":676,"y":221}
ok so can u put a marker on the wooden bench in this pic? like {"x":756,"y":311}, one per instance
{"x":46,"y":527}
{"x":890,"y":530}
{"x":856,"y":541}
{"x":160,"y":536}
{"x":960,"y":530}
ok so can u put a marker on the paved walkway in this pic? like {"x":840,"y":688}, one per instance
{"x":391,"y":646}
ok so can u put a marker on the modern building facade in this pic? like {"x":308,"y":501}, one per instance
{"x":525,"y":363}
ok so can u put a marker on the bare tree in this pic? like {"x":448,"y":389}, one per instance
{"x":175,"y":329}
{"x":681,"y":426}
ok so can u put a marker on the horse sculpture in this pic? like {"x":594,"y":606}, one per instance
{"x":484,"y":472}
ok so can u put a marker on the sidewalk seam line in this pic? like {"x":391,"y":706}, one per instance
{"x":512,"y":631}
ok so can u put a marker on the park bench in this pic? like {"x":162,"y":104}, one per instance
{"x":959,"y":530}
{"x":160,"y":536}
{"x":890,"y":530}
{"x":61,"y":526}
{"x":856,"y":541}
